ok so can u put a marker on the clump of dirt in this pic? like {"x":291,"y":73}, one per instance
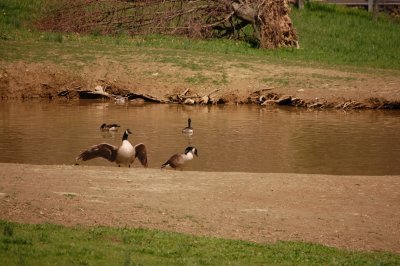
{"x":38,"y":81}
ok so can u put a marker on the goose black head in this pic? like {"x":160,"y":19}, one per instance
{"x":103,"y":126}
{"x":126,"y":133}
{"x":193,"y":150}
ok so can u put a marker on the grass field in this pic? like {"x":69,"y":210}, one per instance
{"x":329,"y":35}
{"x":47,"y":244}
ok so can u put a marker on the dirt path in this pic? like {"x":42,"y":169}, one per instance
{"x":354,"y":212}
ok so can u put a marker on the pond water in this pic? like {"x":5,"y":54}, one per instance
{"x":229,"y":138}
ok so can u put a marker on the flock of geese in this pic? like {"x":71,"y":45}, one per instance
{"x":126,"y":153}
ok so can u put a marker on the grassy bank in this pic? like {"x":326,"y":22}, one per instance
{"x":328,"y":35}
{"x":46,"y":244}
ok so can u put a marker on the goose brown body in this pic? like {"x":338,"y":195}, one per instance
{"x":178,"y":160}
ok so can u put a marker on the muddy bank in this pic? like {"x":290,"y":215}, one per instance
{"x":352,"y":212}
{"x":44,"y":81}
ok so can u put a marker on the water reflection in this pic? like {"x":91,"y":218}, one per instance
{"x":229,"y":138}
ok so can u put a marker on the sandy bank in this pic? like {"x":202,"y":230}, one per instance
{"x":354,"y":212}
{"x":267,"y":84}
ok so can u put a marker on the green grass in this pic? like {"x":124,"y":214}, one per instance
{"x":345,"y":36}
{"x":15,"y":13}
{"x":15,"y":17}
{"x":329,"y":35}
{"x":47,"y":244}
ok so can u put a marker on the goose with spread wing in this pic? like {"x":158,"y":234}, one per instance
{"x":122,"y":155}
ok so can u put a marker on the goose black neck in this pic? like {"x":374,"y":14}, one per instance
{"x":125,"y":136}
{"x":189,"y":122}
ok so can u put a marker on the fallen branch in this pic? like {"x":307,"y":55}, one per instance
{"x":145,"y":97}
{"x":87,"y":94}
{"x":214,"y":91}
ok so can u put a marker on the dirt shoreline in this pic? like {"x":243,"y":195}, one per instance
{"x":270,"y":85}
{"x":351,"y":212}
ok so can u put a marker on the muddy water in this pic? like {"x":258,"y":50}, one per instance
{"x":229,"y":138}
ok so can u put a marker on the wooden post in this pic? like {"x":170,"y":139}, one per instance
{"x":370,"y":5}
{"x":375,"y":9}
{"x":300,"y":4}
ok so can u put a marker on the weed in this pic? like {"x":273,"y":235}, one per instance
{"x":196,"y":79}
{"x":8,"y":230}
{"x":53,"y":37}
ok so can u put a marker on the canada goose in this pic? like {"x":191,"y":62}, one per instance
{"x":124,"y":154}
{"x":188,"y":130}
{"x":177,"y":160}
{"x":109,"y":127}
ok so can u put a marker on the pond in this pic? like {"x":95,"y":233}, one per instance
{"x":239,"y":138}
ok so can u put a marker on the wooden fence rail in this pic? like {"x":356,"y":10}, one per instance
{"x":368,"y":3}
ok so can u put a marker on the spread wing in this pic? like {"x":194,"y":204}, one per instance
{"x":141,"y":154}
{"x":103,"y":150}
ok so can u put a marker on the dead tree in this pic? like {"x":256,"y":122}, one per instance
{"x":265,"y":22}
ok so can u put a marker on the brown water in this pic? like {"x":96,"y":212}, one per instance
{"x":229,"y":138}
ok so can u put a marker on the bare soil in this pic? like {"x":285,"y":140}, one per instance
{"x":310,"y":86}
{"x":351,"y":212}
